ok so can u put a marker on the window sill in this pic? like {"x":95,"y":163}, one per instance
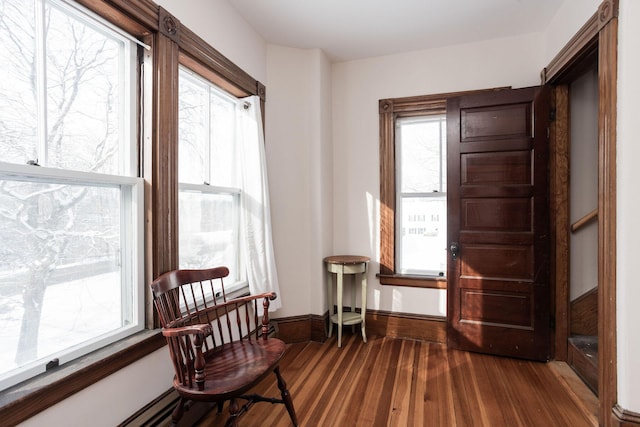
{"x":30,"y":397}
{"x":433,"y":282}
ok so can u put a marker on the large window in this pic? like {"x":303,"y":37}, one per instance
{"x":421,"y":198}
{"x":70,"y":202}
{"x":209,"y":212}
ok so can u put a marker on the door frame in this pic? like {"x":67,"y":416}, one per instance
{"x":599,"y":32}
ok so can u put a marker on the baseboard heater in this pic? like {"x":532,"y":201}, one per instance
{"x":156,"y":413}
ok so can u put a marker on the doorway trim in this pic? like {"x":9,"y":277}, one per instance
{"x":601,"y":32}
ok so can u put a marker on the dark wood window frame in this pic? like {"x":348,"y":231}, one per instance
{"x":390,"y":110}
{"x":171,"y":44}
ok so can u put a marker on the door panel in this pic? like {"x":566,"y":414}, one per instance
{"x":496,"y":214}
{"x":511,"y":167}
{"x":497,"y":308}
{"x":495,"y":122}
{"x":498,"y":284}
{"x":509,"y":262}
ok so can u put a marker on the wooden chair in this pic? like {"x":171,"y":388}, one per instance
{"x":219,"y":349}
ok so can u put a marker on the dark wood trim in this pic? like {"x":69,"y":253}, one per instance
{"x":318,"y":327}
{"x":294,"y":329}
{"x":607,"y":75}
{"x":559,"y":220}
{"x":624,"y":418}
{"x":163,"y":170}
{"x":607,"y":11}
{"x":584,"y":314}
{"x":137,"y":17}
{"x":581,"y":45}
{"x":410,"y":326}
{"x":582,"y":357}
{"x":232,"y":76}
{"x":304,"y":328}
{"x":572,"y":53}
{"x":413,"y":281}
{"x":168,"y":25}
{"x":382,"y":323}
{"x":21,"y":402}
{"x":387,"y":188}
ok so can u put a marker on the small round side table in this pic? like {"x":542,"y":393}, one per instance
{"x":341,"y":265}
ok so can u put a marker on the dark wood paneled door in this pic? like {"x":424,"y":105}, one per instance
{"x":498,"y":268}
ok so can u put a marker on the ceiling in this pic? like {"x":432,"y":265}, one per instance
{"x":353,"y":29}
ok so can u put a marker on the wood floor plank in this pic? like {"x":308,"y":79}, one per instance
{"x":401,"y":394}
{"x":418,"y":385}
{"x":496,"y":398}
{"x":439,"y":407}
{"x":394,"y":382}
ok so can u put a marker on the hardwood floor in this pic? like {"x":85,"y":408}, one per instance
{"x":395,"y":382}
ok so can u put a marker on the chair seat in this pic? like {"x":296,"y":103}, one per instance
{"x":235,"y":367}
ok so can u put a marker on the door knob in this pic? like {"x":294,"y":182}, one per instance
{"x":454,"y":249}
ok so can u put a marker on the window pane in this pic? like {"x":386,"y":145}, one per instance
{"x":208,"y":215}
{"x":222,"y":141}
{"x":207,"y":133}
{"x":423,"y":235}
{"x":18,"y":109}
{"x":74,"y":73}
{"x":70,"y":252}
{"x":193,"y":130}
{"x":422,"y":145}
{"x":84,"y":96}
{"x":60,"y":279}
{"x":208,"y":231}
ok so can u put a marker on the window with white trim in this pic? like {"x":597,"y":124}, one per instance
{"x":421,"y":195}
{"x":71,"y":204}
{"x":209,"y":199}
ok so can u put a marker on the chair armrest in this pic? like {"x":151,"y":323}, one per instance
{"x":270,"y":295}
{"x":182,"y":356}
{"x":201,"y":329}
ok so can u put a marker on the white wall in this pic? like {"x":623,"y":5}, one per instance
{"x":583,"y":106}
{"x":298,"y":145}
{"x":628,"y":226}
{"x":112,"y":400}
{"x":104,"y":403}
{"x":357,"y":87}
{"x":571,"y":16}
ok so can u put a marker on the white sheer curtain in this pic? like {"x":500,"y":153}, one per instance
{"x":254,"y":201}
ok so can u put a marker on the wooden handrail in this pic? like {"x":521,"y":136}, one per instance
{"x":584,"y":220}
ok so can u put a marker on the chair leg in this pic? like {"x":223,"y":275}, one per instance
{"x":288,"y":402}
{"x":177,"y":412}
{"x":234,"y":410}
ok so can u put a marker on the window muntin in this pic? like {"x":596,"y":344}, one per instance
{"x":71,"y":229}
{"x":209,"y":199}
{"x":421,"y":200}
